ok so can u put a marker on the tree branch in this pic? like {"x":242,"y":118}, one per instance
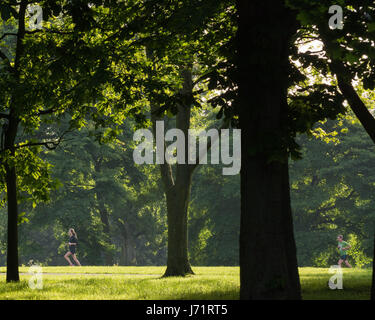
{"x":357,"y":105}
{"x":50,"y":145}
{"x":8,"y":34}
{"x":347,"y":89}
{"x":20,"y":36}
{"x":165,"y":168}
{"x":47,"y":111}
{"x":48,"y":31}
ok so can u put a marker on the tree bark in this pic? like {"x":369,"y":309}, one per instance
{"x":268,"y":263}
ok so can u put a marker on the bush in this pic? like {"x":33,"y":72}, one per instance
{"x":356,"y":252}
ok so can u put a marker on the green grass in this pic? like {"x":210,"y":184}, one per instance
{"x":356,"y":284}
{"x":146,"y":283}
{"x":101,"y":270}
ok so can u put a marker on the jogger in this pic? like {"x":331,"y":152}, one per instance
{"x":73,"y":241}
{"x":343,"y":247}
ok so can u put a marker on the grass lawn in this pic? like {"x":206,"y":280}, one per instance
{"x":146,"y":283}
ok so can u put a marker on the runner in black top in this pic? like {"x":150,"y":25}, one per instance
{"x":73,"y":241}
{"x":72,"y":244}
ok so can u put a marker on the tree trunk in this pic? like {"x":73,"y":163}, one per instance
{"x":177,"y":206}
{"x":268,"y":263}
{"x":177,"y":190}
{"x":11,"y":184}
{"x":12,"y":248}
{"x":11,"y":174}
{"x":128,"y":248}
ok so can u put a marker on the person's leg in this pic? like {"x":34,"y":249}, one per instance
{"x":340,"y":262}
{"x":66,"y":256}
{"x":347,"y":263}
{"x":76,"y":260}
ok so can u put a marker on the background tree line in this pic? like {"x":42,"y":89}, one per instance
{"x":119,"y":211}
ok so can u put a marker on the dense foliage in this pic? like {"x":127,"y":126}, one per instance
{"x":332,"y":193}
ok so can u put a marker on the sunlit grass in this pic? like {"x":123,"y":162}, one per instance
{"x":356,"y":284}
{"x":143,"y":283}
{"x":132,"y":283}
{"x":97,"y":269}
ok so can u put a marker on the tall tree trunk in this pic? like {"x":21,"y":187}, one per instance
{"x":177,"y":190}
{"x":11,"y":184}
{"x":268,"y":263}
{"x":11,"y":174}
{"x":12,"y":246}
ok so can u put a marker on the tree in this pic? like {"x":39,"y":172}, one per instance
{"x":175,"y":54}
{"x":283,"y":103}
{"x":55,"y":72}
{"x":178,"y":187}
{"x":347,"y":53}
{"x":267,"y":250}
{"x":177,"y":191}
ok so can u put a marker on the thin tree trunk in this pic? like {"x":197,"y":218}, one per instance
{"x":268,"y":263}
{"x":11,"y":174}
{"x":128,"y":248}
{"x":11,"y":183}
{"x":12,"y":246}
